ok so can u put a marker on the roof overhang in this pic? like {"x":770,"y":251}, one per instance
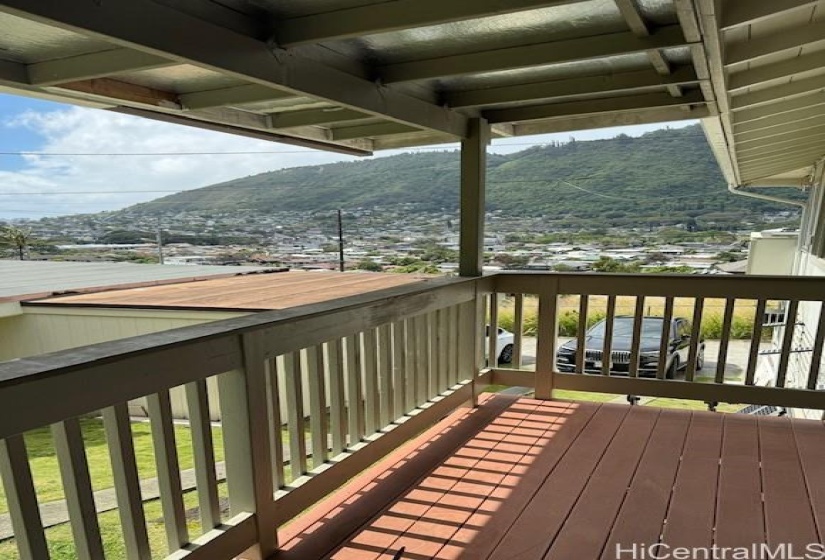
{"x":357,"y":76}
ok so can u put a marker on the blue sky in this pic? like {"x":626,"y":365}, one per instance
{"x":33,"y":186}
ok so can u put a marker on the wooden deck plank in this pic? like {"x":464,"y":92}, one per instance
{"x":484,"y":529}
{"x":331,"y":522}
{"x":540,"y":521}
{"x":739,"y":515}
{"x":483,"y":484}
{"x":810,"y":441}
{"x":788,"y":516}
{"x":585,"y":531}
{"x":642,"y":515}
{"x":692,"y":507}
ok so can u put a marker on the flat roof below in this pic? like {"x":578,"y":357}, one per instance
{"x":20,"y":280}
{"x":259,"y":292}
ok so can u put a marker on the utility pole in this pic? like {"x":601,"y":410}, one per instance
{"x":160,"y":244}
{"x":340,"y":242}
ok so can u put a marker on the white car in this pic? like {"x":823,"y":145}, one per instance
{"x":504,"y":345}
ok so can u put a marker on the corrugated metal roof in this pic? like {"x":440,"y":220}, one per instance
{"x":247,"y":293}
{"x":27,"y":279}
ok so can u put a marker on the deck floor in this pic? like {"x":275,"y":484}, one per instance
{"x":522,"y":479}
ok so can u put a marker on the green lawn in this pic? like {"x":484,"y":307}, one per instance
{"x":46,"y":472}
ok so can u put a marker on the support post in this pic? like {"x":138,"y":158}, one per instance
{"x":473,"y":176}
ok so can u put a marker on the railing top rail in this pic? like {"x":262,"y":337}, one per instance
{"x":664,"y":285}
{"x":55,"y":363}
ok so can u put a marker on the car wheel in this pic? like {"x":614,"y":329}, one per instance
{"x":700,"y":359}
{"x":506,"y":355}
{"x":674,"y":367}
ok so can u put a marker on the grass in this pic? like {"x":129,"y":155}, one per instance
{"x":568,"y":311}
{"x":61,"y":543}
{"x":46,"y":472}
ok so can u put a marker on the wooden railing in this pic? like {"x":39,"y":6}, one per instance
{"x":550,"y":306}
{"x":309,"y":397}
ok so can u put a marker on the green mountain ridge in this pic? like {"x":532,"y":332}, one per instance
{"x":664,"y":177}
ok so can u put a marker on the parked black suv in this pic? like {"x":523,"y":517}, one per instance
{"x":651,"y":334}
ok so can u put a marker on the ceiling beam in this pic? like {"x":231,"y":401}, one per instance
{"x":628,"y":103}
{"x":111,"y":89}
{"x":229,"y":96}
{"x":161,"y":30}
{"x":793,"y":159}
{"x":607,"y":120}
{"x":554,"y":89}
{"x":637,"y":24}
{"x":773,"y":109}
{"x":779,"y":131}
{"x":777,"y":93}
{"x":383,"y":17}
{"x":315,"y":117}
{"x":778,"y":41}
{"x":556,"y":52}
{"x":93,"y":65}
{"x":13,"y":73}
{"x":789,"y":119}
{"x":746,"y":12}
{"x":369,"y":130}
{"x":772,"y":149}
{"x":775,"y":71}
{"x":788,"y":137}
{"x":187,"y":119}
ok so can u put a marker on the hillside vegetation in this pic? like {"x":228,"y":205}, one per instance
{"x":664,"y":177}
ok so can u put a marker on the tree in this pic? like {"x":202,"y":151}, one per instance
{"x":17,"y":238}
{"x":369,"y":265}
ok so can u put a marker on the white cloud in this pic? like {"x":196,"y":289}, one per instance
{"x":76,"y":130}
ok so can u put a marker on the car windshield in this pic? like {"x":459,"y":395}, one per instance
{"x":623,"y":327}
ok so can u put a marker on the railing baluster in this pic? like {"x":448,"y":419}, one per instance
{"x":355,"y":403}
{"x":816,"y":354}
{"x":295,"y":414}
{"x":724,"y":340}
{"x":664,"y":342}
{"x":431,"y":343}
{"x":197,"y":402}
{"x":442,"y":338}
{"x":581,"y":343}
{"x":371,"y":399}
{"x":607,"y":349}
{"x":411,"y":363}
{"x":317,"y":405}
{"x":276,"y":420}
{"x":166,"y":458}
{"x":422,"y":357}
{"x":385,"y":375}
{"x":452,"y":345}
{"x":77,"y":487}
{"x":693,"y":353}
{"x":21,"y":499}
{"x":756,"y":339}
{"x":492,"y":332}
{"x":787,"y":342}
{"x":547,"y":342}
{"x":337,"y":405}
{"x":121,"y":446}
{"x":399,"y":369}
{"x":635,"y":346}
{"x":518,"y":330}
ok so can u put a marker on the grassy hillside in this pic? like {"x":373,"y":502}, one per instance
{"x":667,"y":176}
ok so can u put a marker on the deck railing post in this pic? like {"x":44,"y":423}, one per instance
{"x":243,"y":399}
{"x":547,"y":338}
{"x":473,"y":178}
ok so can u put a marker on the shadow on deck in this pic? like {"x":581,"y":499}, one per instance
{"x":519,"y":478}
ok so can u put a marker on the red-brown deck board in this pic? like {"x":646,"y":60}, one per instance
{"x":518,"y":478}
